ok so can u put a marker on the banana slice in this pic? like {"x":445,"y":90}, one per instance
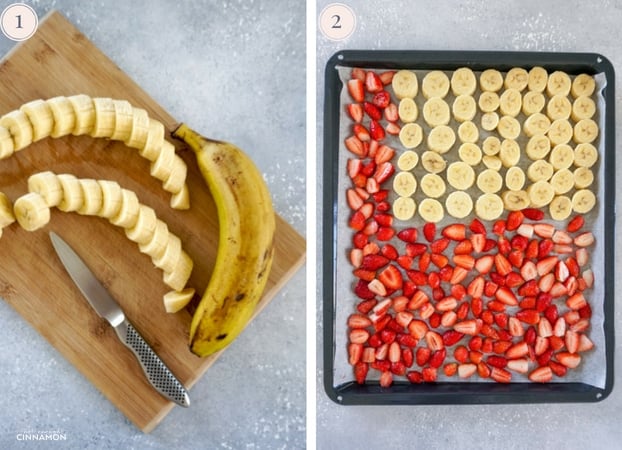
{"x":435,"y":84}
{"x":411,"y":135}
{"x":585,"y":155}
{"x":508,"y":127}
{"x":7,"y":215}
{"x":128,"y":213}
{"x":560,"y":207}
{"x":540,"y":170}
{"x":537,"y":80}
{"x":488,"y":101}
{"x":179,"y":276}
{"x":181,"y":200}
{"x":171,"y":255}
{"x":583,"y":107}
{"x":460,"y":175}
{"x":31,"y":211}
{"x":562,"y":156}
{"x":468,"y":132}
{"x":84,"y":111}
{"x":177,"y":178}
{"x":123,"y":120}
{"x":464,"y":108}
{"x":175,"y":301}
{"x":405,"y":84}
{"x":404,"y":184}
{"x":104,"y":125}
{"x":538,"y":147}
{"x":491,"y":145}
{"x":540,"y":193}
{"x":436,"y":112}
{"x":408,"y":160}
{"x":63,"y":116}
{"x":558,"y":107}
{"x":533,"y":102}
{"x":510,"y":102}
{"x":583,"y":177}
{"x":489,"y":206}
{"x":73,"y":196}
{"x":93,"y":198}
{"x":562,"y":181}
{"x":463,"y":82}
{"x":515,"y":178}
{"x":516,"y":78}
{"x":162,"y":167}
{"x":459,"y":204}
{"x":583,"y":201}
{"x":40,"y":117}
{"x":112,"y":198}
{"x":537,"y":123}
{"x":585,"y":131}
{"x":583,"y":85}
{"x":558,"y":83}
{"x":492,"y":162}
{"x":19,"y":127}
{"x":154,"y":141}
{"x":470,"y":153}
{"x":489,"y":121}
{"x":140,"y":129}
{"x":509,"y":152}
{"x":491,"y":80}
{"x":404,"y":208}
{"x":560,"y":132}
{"x":441,"y":139}
{"x":7,"y":147}
{"x":407,"y":110}
{"x":489,"y":181}
{"x":48,"y":186}
{"x":515,"y":200}
{"x":432,"y":185}
{"x":431,"y":210}
{"x":143,"y":230}
{"x":157,"y":245}
{"x":433,"y":162}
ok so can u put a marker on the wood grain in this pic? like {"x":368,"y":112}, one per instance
{"x":60,"y":60}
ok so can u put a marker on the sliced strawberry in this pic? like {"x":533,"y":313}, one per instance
{"x":439,"y":260}
{"x":355,"y":111}
{"x":483,"y":264}
{"x":360,"y":372}
{"x":437,"y":358}
{"x":429,"y":231}
{"x":455,"y":232}
{"x":385,"y":233}
{"x":465,"y":261}
{"x":374,"y":262}
{"x":408,"y":235}
{"x":389,"y":251}
{"x":463,"y":247}
{"x":381,"y":99}
{"x":519,"y":242}
{"x":575,"y":224}
{"x":533,"y":213}
{"x":584,"y":239}
{"x":476,"y":288}
{"x":570,"y":360}
{"x":516,"y":258}
{"x":514,"y":220}
{"x":470,"y":327}
{"x":499,"y":227}
{"x":546,"y":265}
{"x":358,"y":74}
{"x":459,"y":272}
{"x":355,"y":145}
{"x":576,"y":301}
{"x":542,"y":374}
{"x":513,"y":280}
{"x":528,"y":316}
{"x":531,"y":252}
{"x":357,"y":221}
{"x":391,"y":278}
{"x":381,"y":195}
{"x":490,"y":244}
{"x":476,"y":226}
{"x":362,"y":290}
{"x":544,"y":230}
{"x":383,"y":172}
{"x":373,"y":83}
{"x":529,"y":271}
{"x":376,"y":131}
{"x":386,"y":77}
{"x":361,"y":132}
{"x":478,"y":242}
{"x":451,"y":337}
{"x":391,"y":112}
{"x":506,"y":296}
{"x":356,"y":89}
{"x":372,"y":111}
{"x":392,"y":128}
{"x":439,"y":245}
{"x":503,"y":244}
{"x":502,"y":264}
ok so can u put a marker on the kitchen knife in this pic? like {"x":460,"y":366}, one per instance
{"x":161,"y":378}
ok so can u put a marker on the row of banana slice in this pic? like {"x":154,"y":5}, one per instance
{"x":98,"y":117}
{"x":121,"y":207}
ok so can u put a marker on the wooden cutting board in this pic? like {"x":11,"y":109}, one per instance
{"x":60,"y":60}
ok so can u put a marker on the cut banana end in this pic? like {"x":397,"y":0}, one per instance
{"x":459,"y":204}
{"x":143,"y":230}
{"x":73,"y":197}
{"x":104,"y":125}
{"x":489,"y":206}
{"x":175,"y":301}
{"x":7,"y":147}
{"x":93,"y":197}
{"x":84,"y":111}
{"x":123,"y":120}
{"x":63,"y":116}
{"x":40,"y":117}
{"x":128,"y":213}
{"x":19,"y":127}
{"x":179,"y":276}
{"x":48,"y":185}
{"x":431,"y":210}
{"x":31,"y":211}
{"x":112,"y":198}
{"x":181,"y":200}
{"x":7,"y":216}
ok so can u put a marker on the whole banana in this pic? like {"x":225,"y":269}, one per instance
{"x":245,"y":247}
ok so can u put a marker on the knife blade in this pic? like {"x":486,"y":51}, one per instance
{"x":158,"y":374}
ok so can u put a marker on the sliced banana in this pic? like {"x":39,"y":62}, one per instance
{"x":583,"y":201}
{"x":560,"y":132}
{"x":408,"y":110}
{"x":537,"y":80}
{"x":157,"y":245}
{"x":516,"y":78}
{"x":93,"y":198}
{"x":73,"y":196}
{"x":63,"y":116}
{"x":470,"y":153}
{"x":460,"y":175}
{"x":585,"y":131}
{"x":583,"y":107}
{"x":123,"y":120}
{"x":533,"y":102}
{"x":489,"y":121}
{"x":408,"y":160}
{"x":583,"y":177}
{"x":583,"y":85}
{"x":515,"y":200}
{"x":433,"y":162}
{"x":489,"y":206}
{"x":176,"y":179}
{"x":404,"y":184}
{"x":162,"y":166}
{"x":431,"y":210}
{"x":19,"y":127}
{"x":459,"y":204}
{"x":540,"y":170}
{"x":31,"y":211}
{"x":562,"y":181}
{"x":104,"y":124}
{"x":140,"y":129}
{"x":508,"y":127}
{"x":463,"y":81}
{"x":558,"y":83}
{"x":175,"y":301}
{"x":489,"y":181}
{"x":179,"y":276}
{"x":492,"y":162}
{"x":491,"y":80}
{"x":7,"y":147}
{"x":491,"y":145}
{"x":181,"y":200}
{"x":510,"y":102}
{"x":464,"y":108}
{"x":432,"y":185}
{"x":538,"y":147}
{"x":468,"y":132}
{"x":441,"y":139}
{"x":436,"y":112}
{"x":540,"y":193}
{"x":40,"y":116}
{"x":128,"y":213}
{"x":558,"y":107}
{"x":435,"y":84}
{"x":560,"y":207}
{"x":7,"y":216}
{"x":112,"y":198}
{"x":404,"y":208}
{"x":47,"y":185}
{"x":411,"y":135}
{"x":515,"y":178}
{"x":509,"y":152}
{"x":405,"y":84}
{"x":585,"y":155}
{"x":154,"y":141}
{"x":84,"y":111}
{"x":171,"y":255}
{"x":536,"y":123}
{"x":561,"y":156}
{"x":488,"y":101}
{"x":143,"y":230}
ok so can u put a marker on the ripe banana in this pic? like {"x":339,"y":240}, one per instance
{"x":463,"y":82}
{"x":407,"y":110}
{"x":491,"y":80}
{"x":404,"y":208}
{"x":459,"y":204}
{"x":435,"y":84}
{"x":405,"y":84}
{"x":404,"y":184}
{"x":7,"y":216}
{"x":468,"y":132}
{"x":431,"y":210}
{"x":246,"y":242}
{"x":537,"y":79}
{"x":409,"y":159}
{"x":516,"y":78}
{"x":411,"y":135}
{"x":583,"y":85}
{"x":558,"y":83}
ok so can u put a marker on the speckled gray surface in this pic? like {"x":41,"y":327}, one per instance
{"x":235,"y":70}
{"x":560,"y":25}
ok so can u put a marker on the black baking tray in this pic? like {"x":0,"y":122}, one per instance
{"x":403,"y":392}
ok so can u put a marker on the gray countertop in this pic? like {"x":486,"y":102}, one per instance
{"x":234,"y":70}
{"x":526,"y":25}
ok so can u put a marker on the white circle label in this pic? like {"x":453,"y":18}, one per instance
{"x":337,"y":21}
{"x":19,"y":21}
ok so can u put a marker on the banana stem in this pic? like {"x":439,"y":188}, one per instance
{"x":192,"y":138}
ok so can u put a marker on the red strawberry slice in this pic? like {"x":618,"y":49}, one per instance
{"x":546,"y":265}
{"x":383,"y":172}
{"x":528,"y":316}
{"x":533,"y":213}
{"x":361,"y":132}
{"x":506,"y":296}
{"x":516,"y":258}
{"x":575,"y":224}
{"x":484,"y":263}
{"x":415,"y":249}
{"x":476,"y":226}
{"x":373,"y":83}
{"x":391,"y":112}
{"x":374,"y":262}
{"x":355,"y":145}
{"x":391,"y":278}
{"x":478,"y":242}
{"x":429,"y":231}
{"x":502,"y":264}
{"x":470,"y":327}
{"x":381,"y":99}
{"x":408,"y":235}
{"x":463,"y":247}
{"x":514,"y":220}
{"x":455,"y":231}
{"x":376,"y":131}
{"x":356,"y":89}
{"x":542,"y":374}
{"x":439,"y":245}
{"x":499,"y":227}
{"x":358,"y":73}
{"x":392,"y":128}
{"x":439,"y":260}
{"x":355,"y":111}
{"x":386,"y":77}
{"x":465,"y":261}
{"x":372,"y":111}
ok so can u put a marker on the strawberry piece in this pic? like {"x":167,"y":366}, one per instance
{"x":513,"y":280}
{"x":417,"y":277}
{"x":514,"y":220}
{"x":439,"y":261}
{"x":358,"y":73}
{"x":376,"y":131}
{"x":490,"y":288}
{"x":429,"y":231}
{"x":363,"y":274}
{"x":502,"y":264}
{"x":386,"y":379}
{"x":358,"y":321}
{"x":398,"y":368}
{"x":357,"y":221}
{"x":373,"y":83}
{"x":533,"y":213}
{"x":381,"y":99}
{"x":355,"y":353}
{"x":383,"y":172}
{"x":408,"y":235}
{"x":546,"y":265}
{"x":372,"y":111}
{"x":558,"y":369}
{"x":503,"y":244}
{"x":476,"y":288}
{"x":576,"y":301}
{"x":439,"y":245}
{"x":455,"y":232}
{"x":355,"y":145}
{"x":354,"y":167}
{"x":497,"y":361}
{"x":386,"y":77}
{"x":429,"y":374}
{"x":584,"y":239}
{"x":415,"y":249}
{"x":385,"y":233}
{"x":422,"y":356}
{"x":516,"y":258}
{"x":384,"y":220}
{"x":528,"y":316}
{"x":355,"y":111}
{"x":389,"y":251}
{"x":463,"y":247}
{"x":478,"y":242}
{"x":519,"y":242}
{"x":544,"y":230}
{"x":517,"y":350}
{"x":542,"y":374}
{"x":360,"y":372}
{"x":391,"y":278}
{"x":499,"y":227}
{"x":464,"y":261}
{"x":575,"y":224}
{"x":374,"y":262}
{"x":460,"y":272}
{"x":451,"y":337}
{"x":437,"y":358}
{"x":477,"y":227}
{"x":570,"y":360}
{"x":525,"y":230}
{"x":414,"y":376}
{"x":353,"y":199}
{"x":484,"y":264}
{"x":529,"y":271}
{"x":391,"y":112}
{"x":356,"y":89}
{"x":366,"y":306}
{"x":392,"y":128}
{"x":470,"y":327}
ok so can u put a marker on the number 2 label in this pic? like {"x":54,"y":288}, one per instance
{"x":337,"y":21}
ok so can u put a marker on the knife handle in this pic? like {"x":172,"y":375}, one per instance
{"x":160,"y":377}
